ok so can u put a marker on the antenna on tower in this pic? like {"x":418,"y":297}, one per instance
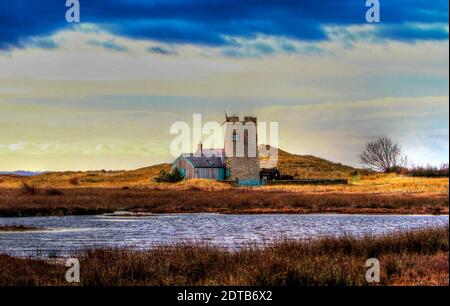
{"x":226,"y":118}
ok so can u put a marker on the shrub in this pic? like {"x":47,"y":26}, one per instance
{"x":429,"y":171}
{"x":398,"y":170}
{"x":74,"y":181}
{"x":53,"y":192}
{"x":28,"y":189}
{"x":173,"y":176}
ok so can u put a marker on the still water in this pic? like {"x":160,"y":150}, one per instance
{"x":62,"y":234}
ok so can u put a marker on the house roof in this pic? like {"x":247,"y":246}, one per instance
{"x":204,"y":161}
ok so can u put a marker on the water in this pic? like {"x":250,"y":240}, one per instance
{"x":63,"y":234}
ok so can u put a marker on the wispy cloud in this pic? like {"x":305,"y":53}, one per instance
{"x":17,"y":146}
{"x":163,"y":50}
{"x":263,"y":46}
{"x":339,"y":130}
{"x":107,"y":44}
{"x":41,"y":43}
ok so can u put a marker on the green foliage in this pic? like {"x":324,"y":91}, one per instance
{"x":173,"y":176}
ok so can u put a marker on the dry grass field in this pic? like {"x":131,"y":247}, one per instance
{"x":415,"y":258}
{"x":197,"y":196}
{"x":303,"y":167}
{"x":93,"y":192}
{"x":411,"y":258}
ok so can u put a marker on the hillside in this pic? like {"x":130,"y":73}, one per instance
{"x":298,"y":166}
{"x":308,"y":166}
{"x":100,"y":178}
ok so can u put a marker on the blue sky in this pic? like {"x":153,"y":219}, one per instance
{"x":104,"y":92}
{"x":210,"y":22}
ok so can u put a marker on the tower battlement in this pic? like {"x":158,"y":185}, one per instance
{"x":241,"y":148}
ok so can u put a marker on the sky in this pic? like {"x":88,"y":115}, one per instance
{"x":103,"y":93}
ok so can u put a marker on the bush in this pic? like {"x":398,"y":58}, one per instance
{"x":53,"y":192}
{"x":28,"y":189}
{"x":173,"y":176}
{"x":398,"y":169}
{"x":74,"y":181}
{"x":429,"y":171}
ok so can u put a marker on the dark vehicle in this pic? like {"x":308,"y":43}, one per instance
{"x":270,"y":174}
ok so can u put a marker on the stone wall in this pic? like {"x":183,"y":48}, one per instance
{"x":241,"y":157}
{"x":243,"y":168}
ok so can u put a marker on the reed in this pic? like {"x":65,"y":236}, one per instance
{"x":411,"y":258}
{"x":88,"y":201}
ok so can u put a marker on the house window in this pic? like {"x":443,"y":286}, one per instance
{"x":235,"y":137}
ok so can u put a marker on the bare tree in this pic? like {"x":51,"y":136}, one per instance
{"x":383,"y":155}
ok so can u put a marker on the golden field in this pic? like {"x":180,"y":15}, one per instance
{"x":381,"y":195}
{"x":299,"y":166}
{"x":144,"y":178}
{"x":91,"y":192}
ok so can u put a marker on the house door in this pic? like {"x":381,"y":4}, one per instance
{"x":221,"y":174}
{"x":183,"y":172}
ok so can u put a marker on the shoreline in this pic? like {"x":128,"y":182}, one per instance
{"x":18,"y":228}
{"x":147,"y":215}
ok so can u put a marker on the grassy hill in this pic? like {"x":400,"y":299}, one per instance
{"x":298,"y":166}
{"x":100,"y":178}
{"x":308,"y":166}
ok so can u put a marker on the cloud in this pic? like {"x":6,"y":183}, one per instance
{"x":45,"y":146}
{"x":208,"y":23}
{"x":41,"y":43}
{"x":30,"y":147}
{"x":338,"y":130}
{"x":409,"y":32}
{"x":17,"y":146}
{"x":262,"y":46}
{"x":163,"y":50}
{"x":107,"y":44}
{"x":257,"y":49}
{"x":413,"y":32}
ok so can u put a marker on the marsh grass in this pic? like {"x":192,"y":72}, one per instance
{"x":28,"y":189}
{"x":411,"y":258}
{"x":88,"y":201}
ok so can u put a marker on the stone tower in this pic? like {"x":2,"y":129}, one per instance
{"x":241,"y":150}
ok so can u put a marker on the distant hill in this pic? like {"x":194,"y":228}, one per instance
{"x":21,"y":173}
{"x":308,"y":166}
{"x":299,"y":166}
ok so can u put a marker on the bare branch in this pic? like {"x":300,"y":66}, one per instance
{"x":383,"y":155}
